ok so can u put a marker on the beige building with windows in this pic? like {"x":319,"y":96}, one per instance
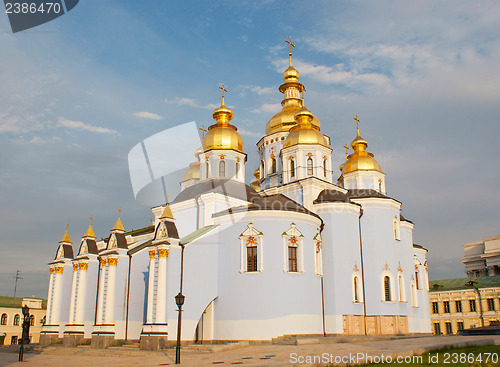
{"x":11,"y":318}
{"x":482,"y":258}
{"x":464,"y":303}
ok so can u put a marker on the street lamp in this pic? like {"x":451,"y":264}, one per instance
{"x":26,"y":331}
{"x":179,"y":300}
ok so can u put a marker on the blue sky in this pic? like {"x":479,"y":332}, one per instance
{"x":79,"y":92}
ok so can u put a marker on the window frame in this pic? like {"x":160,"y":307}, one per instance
{"x":446,"y":307}
{"x":293,"y":238}
{"x":17,"y":320}
{"x":471,"y":303}
{"x":458,"y":306}
{"x":435,"y":307}
{"x":222,"y":168}
{"x":251,"y":237}
{"x":392,"y":287}
{"x":4,"y":319}
{"x":309,"y":166}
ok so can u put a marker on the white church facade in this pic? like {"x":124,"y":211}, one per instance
{"x":296,"y":252}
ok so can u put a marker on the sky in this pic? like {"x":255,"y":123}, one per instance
{"x":79,"y":92}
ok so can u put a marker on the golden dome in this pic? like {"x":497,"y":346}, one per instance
{"x":193,"y":172}
{"x":304,"y":132}
{"x":284,"y":120}
{"x":360,"y":160}
{"x":255,"y":184}
{"x":223,"y":135}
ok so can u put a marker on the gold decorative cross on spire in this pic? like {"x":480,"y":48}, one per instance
{"x":303,"y":90}
{"x":67,"y":225}
{"x":203,"y":131}
{"x":357,"y":123}
{"x":119,"y":211}
{"x":167,"y":197}
{"x":223,"y":90}
{"x":346,"y":150}
{"x":290,"y":45}
{"x":91,"y":219}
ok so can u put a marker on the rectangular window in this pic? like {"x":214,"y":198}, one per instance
{"x":458,"y":306}
{"x":435,"y":307}
{"x":446,"y":306}
{"x":416,"y":280}
{"x":460,"y":326}
{"x":13,"y":340}
{"x":252,"y":258}
{"x":449,"y":330}
{"x":292,"y":259}
{"x":437,"y":328}
{"x":491,"y":304}
{"x":472,"y":305}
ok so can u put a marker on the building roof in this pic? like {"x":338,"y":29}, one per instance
{"x":92,"y":246}
{"x":171,"y":230}
{"x":272,"y":202}
{"x":16,"y":302}
{"x":222,"y":186}
{"x":332,"y":196}
{"x":463,"y":283}
{"x":418,"y":246}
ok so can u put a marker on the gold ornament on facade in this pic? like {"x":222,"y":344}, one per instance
{"x":400,"y":269}
{"x":103,"y":262}
{"x":223,"y":135}
{"x":193,"y":172}
{"x":51,"y":270}
{"x":222,"y":156}
{"x":255,"y":184}
{"x":355,"y":267}
{"x":59,"y":269}
{"x":386,"y":267}
{"x":84,"y":266}
{"x":360,"y":160}
{"x":75,"y":266}
{"x":163,"y":252}
{"x":152,"y":254}
{"x":112,"y":261}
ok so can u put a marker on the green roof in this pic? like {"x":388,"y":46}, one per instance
{"x":196,"y":234}
{"x":17,"y":302}
{"x":463,"y":283}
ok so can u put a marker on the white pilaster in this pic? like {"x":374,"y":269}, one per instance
{"x":73,"y":294}
{"x":161,"y":294}
{"x":56,"y":307}
{"x":49,"y":296}
{"x":100,"y":299}
{"x":151,"y":282}
{"x":110,"y":293}
{"x":80,"y":300}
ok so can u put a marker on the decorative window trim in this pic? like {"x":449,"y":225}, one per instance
{"x":356,"y":283}
{"x":293,"y":237}
{"x":401,"y":287}
{"x":309,"y":166}
{"x":258,"y":237}
{"x":292,"y":168}
{"x":397,"y":229}
{"x":414,"y":295}
{"x":5,"y":319}
{"x":262,"y":172}
{"x":222,"y":168}
{"x":392,"y":287}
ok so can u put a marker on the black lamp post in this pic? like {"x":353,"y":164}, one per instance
{"x":179,"y":300}
{"x":26,"y":330}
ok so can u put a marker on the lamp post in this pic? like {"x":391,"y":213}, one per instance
{"x":179,"y":300}
{"x":26,"y":330}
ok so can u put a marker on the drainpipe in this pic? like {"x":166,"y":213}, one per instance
{"x":322,"y":289}
{"x":97,"y":294}
{"x":362,"y":268}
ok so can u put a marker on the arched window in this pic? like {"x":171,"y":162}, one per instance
{"x":207,"y":169}
{"x":251,"y":250}
{"x":16,"y":320}
{"x":387,"y":288}
{"x":309,"y":166}
{"x":261,"y":176}
{"x":397,"y":236}
{"x":324,"y":167}
{"x":222,"y":169}
{"x":356,"y":295}
{"x":4,"y":319}
{"x":416,"y":279}
{"x":273,"y":166}
{"x":292,"y":168}
{"x":237,"y":170}
{"x":32,"y":320}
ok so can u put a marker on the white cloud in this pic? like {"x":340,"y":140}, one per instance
{"x":268,"y":108}
{"x":249,"y":133}
{"x":258,"y":89}
{"x":183,"y":101}
{"x":78,"y":125}
{"x":148,"y":115}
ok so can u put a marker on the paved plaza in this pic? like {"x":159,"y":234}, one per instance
{"x":252,"y":355}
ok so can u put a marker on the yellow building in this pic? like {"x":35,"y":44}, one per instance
{"x":465,"y":303}
{"x":11,"y":318}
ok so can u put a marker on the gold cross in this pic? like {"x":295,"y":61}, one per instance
{"x":290,"y":45}
{"x":223,"y":90}
{"x":346,"y":150}
{"x":303,"y":90}
{"x":357,"y":123}
{"x":203,"y":131}
{"x":91,"y":219}
{"x":67,"y":225}
{"x":167,"y":197}
{"x":309,"y":155}
{"x":119,"y":211}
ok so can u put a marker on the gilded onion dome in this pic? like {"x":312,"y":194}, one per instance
{"x":193,"y":172}
{"x":255,"y":184}
{"x":223,"y":135}
{"x":360,"y":160}
{"x":304,"y":132}
{"x":291,"y":88}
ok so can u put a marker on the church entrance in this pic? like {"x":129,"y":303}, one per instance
{"x":205,"y":328}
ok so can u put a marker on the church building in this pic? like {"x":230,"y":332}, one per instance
{"x":298,"y":251}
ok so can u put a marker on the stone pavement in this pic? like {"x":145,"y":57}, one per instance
{"x":253,"y":355}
